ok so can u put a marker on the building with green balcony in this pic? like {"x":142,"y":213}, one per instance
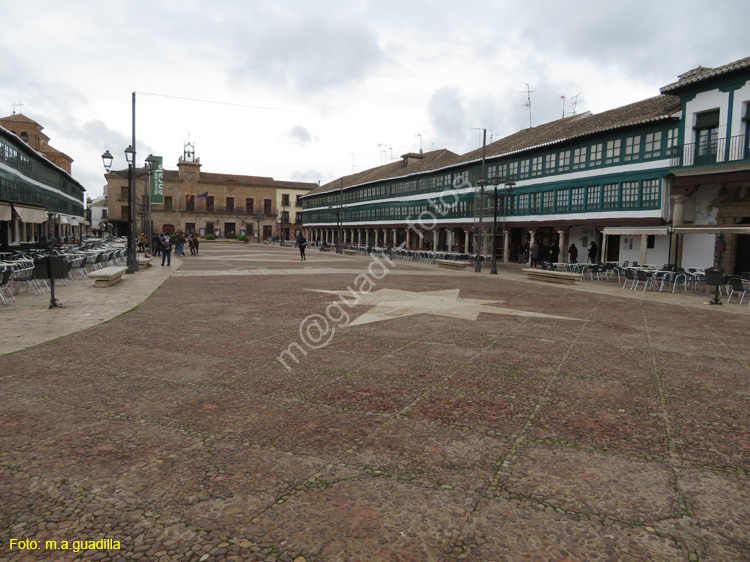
{"x":35,"y":180}
{"x":618,"y":179}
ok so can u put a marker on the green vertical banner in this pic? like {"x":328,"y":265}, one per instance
{"x":157,"y":182}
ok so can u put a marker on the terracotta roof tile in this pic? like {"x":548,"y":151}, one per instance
{"x":577,"y":126}
{"x":701,"y":73}
{"x":433,"y":160}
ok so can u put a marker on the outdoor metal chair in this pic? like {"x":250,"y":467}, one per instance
{"x":4,"y":288}
{"x":642,"y":277}
{"x":737,"y":286}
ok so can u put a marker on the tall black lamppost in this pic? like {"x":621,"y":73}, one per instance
{"x":478,"y":262}
{"x":508,"y":192}
{"x":339,"y":228}
{"x":259,"y":219}
{"x":132,"y":256}
{"x":495,"y":180}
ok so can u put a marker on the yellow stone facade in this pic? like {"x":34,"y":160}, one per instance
{"x":226,"y":205}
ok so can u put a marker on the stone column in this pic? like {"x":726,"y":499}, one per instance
{"x":563,"y":243}
{"x":435,"y":239}
{"x":467,"y":237}
{"x":644,"y":248}
{"x":532,"y":234}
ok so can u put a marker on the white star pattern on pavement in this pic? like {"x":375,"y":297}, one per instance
{"x":394,"y":303}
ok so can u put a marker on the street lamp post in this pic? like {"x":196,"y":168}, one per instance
{"x":259,"y":218}
{"x":478,"y":261}
{"x":495,"y":180}
{"x":132,"y":256}
{"x":509,"y":185}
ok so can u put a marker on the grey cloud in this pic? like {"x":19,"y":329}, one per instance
{"x":300,"y":135}
{"x":306,"y":52}
{"x":448,"y":117}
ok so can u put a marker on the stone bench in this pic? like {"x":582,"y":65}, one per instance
{"x":450,"y":264}
{"x":144,"y":262}
{"x":350,"y":252}
{"x":551,"y":276}
{"x":107,"y":276}
{"x":328,"y":249}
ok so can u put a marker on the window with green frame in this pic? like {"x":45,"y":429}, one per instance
{"x":629,"y":194}
{"x":610,"y":195}
{"x":564,"y":161}
{"x":523,"y":203}
{"x":563,"y":200}
{"x":595,"y":158}
{"x":549,"y":163}
{"x":672,"y":141}
{"x":651,"y":194}
{"x":534,"y":203}
{"x":536,"y":166}
{"x":524,"y":169}
{"x":613,"y":152}
{"x":593,"y":197}
{"x":512,"y":170}
{"x":548,"y":202}
{"x":632,"y":148}
{"x":577,"y":201}
{"x":652,"y":146}
{"x":579,"y":158}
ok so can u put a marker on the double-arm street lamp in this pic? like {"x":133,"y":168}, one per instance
{"x":478,"y":262}
{"x":107,"y":158}
{"x":507,"y":192}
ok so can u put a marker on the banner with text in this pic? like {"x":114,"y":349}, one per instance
{"x":157,"y":182}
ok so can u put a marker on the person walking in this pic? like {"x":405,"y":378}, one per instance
{"x":142,"y":241}
{"x":573,"y":252}
{"x":166,"y":250}
{"x":301,"y":244}
{"x":196,"y":243}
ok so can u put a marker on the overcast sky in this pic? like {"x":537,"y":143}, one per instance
{"x":306,"y":91}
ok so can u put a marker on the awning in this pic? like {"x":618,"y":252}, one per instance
{"x":6,"y":213}
{"x":712,"y":229}
{"x":30,"y":214}
{"x":73,"y":222}
{"x":63,"y":220}
{"x":636,"y":231}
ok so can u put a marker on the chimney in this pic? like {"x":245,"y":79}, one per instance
{"x":411,"y":157}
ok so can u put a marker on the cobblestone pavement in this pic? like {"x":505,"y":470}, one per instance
{"x":611,"y":426}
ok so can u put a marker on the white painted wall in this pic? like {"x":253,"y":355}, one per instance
{"x":741,"y":97}
{"x":698,"y":250}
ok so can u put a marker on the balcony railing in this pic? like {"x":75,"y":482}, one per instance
{"x":718,"y":151}
{"x":238,"y":211}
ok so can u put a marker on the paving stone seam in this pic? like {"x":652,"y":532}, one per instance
{"x":648,"y":527}
{"x":544,"y":395}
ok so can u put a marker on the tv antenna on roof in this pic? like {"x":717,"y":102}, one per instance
{"x":575,"y":102}
{"x":18,"y":105}
{"x":353,"y":165}
{"x":562,"y":97}
{"x":382,"y":147}
{"x":420,"y":141}
{"x":527,"y":103}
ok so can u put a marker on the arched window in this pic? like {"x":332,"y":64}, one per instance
{"x":25,"y":137}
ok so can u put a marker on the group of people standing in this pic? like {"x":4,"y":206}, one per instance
{"x":163,"y":244}
{"x":551,"y":253}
